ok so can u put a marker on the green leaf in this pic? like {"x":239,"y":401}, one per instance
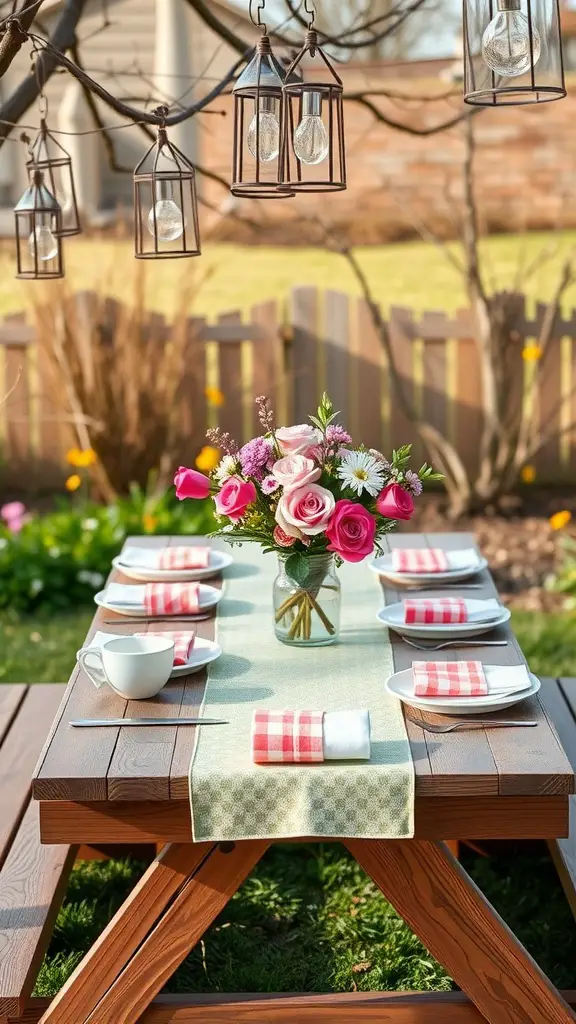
{"x":298,"y":568}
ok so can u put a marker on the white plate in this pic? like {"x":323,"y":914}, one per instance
{"x":383,"y":567}
{"x":401,"y":685}
{"x":203,"y":653}
{"x":208,"y":599}
{"x":392,"y":616}
{"x":219,"y":560}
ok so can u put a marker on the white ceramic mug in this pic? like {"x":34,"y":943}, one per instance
{"x":136,"y":667}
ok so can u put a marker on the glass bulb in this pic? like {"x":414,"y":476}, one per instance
{"x":263,"y":139}
{"x":42,"y":243}
{"x":169,"y":223}
{"x":311,"y":144}
{"x":506,"y":42}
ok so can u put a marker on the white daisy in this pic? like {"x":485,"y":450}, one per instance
{"x":361,"y":472}
{"x":227,"y":467}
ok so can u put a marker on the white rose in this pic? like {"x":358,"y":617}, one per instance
{"x":297,"y":440}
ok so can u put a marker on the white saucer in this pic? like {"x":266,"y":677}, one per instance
{"x":393,"y":617}
{"x":383,"y":567}
{"x":208,"y":599}
{"x":401,"y":685}
{"x":219,"y":560}
{"x":203,"y":653}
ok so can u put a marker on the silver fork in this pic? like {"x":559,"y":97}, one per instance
{"x":455,"y":643}
{"x":472,"y":724}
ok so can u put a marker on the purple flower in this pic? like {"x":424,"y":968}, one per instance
{"x":336,"y":435}
{"x":254,"y":457}
{"x":413,"y":483}
{"x":269,"y":485}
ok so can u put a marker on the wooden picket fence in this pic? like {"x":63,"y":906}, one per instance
{"x":318,"y":341}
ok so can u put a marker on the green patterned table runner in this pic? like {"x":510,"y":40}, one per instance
{"x":231,"y":797}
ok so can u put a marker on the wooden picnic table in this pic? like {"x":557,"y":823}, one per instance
{"x":107,"y":786}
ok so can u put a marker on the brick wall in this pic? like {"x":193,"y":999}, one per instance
{"x":525,"y":167}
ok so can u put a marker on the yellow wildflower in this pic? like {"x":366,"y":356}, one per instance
{"x":149,"y":522}
{"x":73,"y":482}
{"x":208,"y":459}
{"x":528,"y":474}
{"x":560,"y":519}
{"x":532,"y":353}
{"x":81,"y":458}
{"x":214,"y":396}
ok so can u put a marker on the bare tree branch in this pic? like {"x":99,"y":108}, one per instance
{"x":14,"y":32}
{"x":363,"y":100}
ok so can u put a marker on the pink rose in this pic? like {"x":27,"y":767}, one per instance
{"x":284,"y":540}
{"x":191,"y":484}
{"x":351,"y":532}
{"x":297,"y":440}
{"x":235,"y":497}
{"x":395,"y":502}
{"x":294,"y":471}
{"x":307,"y":510}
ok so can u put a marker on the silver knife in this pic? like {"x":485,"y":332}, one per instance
{"x":87,"y":723}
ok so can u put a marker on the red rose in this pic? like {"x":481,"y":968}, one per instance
{"x":395,"y":502}
{"x":190,"y":484}
{"x":351,"y":531}
{"x":235,"y":497}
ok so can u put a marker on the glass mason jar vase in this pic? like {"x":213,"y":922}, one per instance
{"x":307,"y":614}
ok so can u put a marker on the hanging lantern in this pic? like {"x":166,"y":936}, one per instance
{"x":38,"y":220}
{"x":313,"y":157}
{"x":258,"y":126}
{"x":48,"y":156}
{"x":512,"y":52}
{"x":165,"y":203}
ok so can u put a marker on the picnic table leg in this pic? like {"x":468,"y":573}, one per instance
{"x":117,"y":981}
{"x":447,"y":911}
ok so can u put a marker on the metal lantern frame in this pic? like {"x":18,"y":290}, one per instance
{"x":49,"y":156}
{"x":148,"y":184}
{"x":34,"y":207}
{"x":261,"y":84}
{"x":541,"y":83}
{"x":298,"y":98}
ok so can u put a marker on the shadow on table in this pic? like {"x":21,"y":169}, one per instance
{"x":231,"y":607}
{"x":236,"y":571}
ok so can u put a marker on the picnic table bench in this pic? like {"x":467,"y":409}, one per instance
{"x":127,"y":785}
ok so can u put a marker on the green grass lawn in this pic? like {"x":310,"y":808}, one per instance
{"x":235,"y":277}
{"x":308,"y":919}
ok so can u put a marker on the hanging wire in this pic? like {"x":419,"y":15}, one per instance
{"x":311,"y":10}
{"x":257,"y":20}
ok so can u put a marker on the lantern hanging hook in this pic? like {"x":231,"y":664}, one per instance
{"x":256,"y":18}
{"x":38,"y":71}
{"x":311,"y":10}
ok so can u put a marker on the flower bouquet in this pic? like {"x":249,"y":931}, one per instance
{"x":309,"y":494}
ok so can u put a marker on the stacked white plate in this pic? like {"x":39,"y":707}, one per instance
{"x":482,"y":617}
{"x":401,"y":685}
{"x":126,"y":599}
{"x":142,"y":564}
{"x":203,"y":652}
{"x":463,"y":564}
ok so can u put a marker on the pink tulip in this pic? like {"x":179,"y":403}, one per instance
{"x":191,"y":484}
{"x":395,"y":502}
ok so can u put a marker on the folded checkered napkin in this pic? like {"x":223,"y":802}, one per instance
{"x":179,"y":558}
{"x":287,"y":736}
{"x":172,"y":599}
{"x":435,"y":611}
{"x":449,"y":679}
{"x":417,"y":560}
{"x":183,"y":644}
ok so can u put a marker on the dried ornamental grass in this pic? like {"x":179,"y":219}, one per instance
{"x":124,"y":377}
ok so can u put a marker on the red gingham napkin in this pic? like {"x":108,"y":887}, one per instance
{"x":449,"y":679}
{"x":172,"y":599}
{"x":183,"y":644}
{"x":287,"y":736}
{"x":435,"y":610}
{"x":419,"y":560}
{"x":184,"y":558}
